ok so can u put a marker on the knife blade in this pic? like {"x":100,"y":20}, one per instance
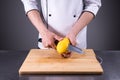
{"x":75,"y":49}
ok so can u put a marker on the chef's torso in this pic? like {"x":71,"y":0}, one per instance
{"x":61,"y":16}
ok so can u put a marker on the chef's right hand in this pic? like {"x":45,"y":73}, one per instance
{"x":48,"y":39}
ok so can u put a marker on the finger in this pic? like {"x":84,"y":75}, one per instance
{"x":50,"y":45}
{"x":58,"y":38}
{"x":53,"y":46}
{"x":45,"y":45}
{"x":73,"y":42}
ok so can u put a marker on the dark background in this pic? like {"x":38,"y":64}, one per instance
{"x":17,"y":33}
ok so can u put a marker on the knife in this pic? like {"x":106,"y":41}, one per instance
{"x":75,"y":49}
{"x":70,"y":47}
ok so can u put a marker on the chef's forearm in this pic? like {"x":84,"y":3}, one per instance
{"x":84,"y":19}
{"x":36,"y":20}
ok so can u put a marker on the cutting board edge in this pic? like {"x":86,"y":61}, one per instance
{"x":58,"y":72}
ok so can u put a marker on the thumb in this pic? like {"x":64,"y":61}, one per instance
{"x":73,"y":42}
{"x":58,"y":38}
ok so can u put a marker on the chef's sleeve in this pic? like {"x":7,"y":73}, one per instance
{"x":92,"y":6}
{"x":29,"y":5}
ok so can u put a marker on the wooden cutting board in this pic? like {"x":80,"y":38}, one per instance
{"x":48,"y":61}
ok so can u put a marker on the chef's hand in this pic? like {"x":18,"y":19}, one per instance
{"x":48,"y":39}
{"x":72,"y":38}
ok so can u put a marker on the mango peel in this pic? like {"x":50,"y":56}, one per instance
{"x":62,"y":45}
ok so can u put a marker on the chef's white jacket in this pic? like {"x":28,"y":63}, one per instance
{"x":62,"y":14}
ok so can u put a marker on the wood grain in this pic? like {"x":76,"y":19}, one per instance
{"x":48,"y":61}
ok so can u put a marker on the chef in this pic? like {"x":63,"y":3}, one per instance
{"x":56,"y":19}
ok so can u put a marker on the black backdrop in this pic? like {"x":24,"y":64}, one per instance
{"x":17,"y":33}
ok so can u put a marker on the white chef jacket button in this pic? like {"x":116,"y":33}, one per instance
{"x":50,"y":15}
{"x":74,"y":16}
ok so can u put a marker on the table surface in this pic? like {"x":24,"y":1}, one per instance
{"x":11,"y":61}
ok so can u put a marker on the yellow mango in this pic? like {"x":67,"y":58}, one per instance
{"x":62,"y":45}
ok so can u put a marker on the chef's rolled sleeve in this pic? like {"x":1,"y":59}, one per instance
{"x":92,"y":6}
{"x":29,"y":5}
